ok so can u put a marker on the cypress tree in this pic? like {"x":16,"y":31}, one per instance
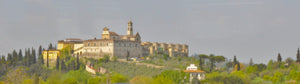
{"x":238,"y":66}
{"x":15,"y":56}
{"x":57,"y":63}
{"x":20,"y":55}
{"x":3,"y":60}
{"x":234,"y":60}
{"x":63,"y":65}
{"x":29,"y":60}
{"x":1,"y":63}
{"x":201,"y":60}
{"x":33,"y":57}
{"x":298,"y":56}
{"x":251,"y":62}
{"x":25,"y":58}
{"x":72,"y":65}
{"x":9,"y":59}
{"x":40,"y":56}
{"x":47,"y":58}
{"x":212,"y":62}
{"x":50,"y":46}
{"x":279,"y":58}
{"x":127,"y":56}
{"x":78,"y":62}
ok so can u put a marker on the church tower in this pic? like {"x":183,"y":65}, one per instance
{"x":129,"y":28}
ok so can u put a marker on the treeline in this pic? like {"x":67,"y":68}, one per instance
{"x":66,"y":61}
{"x":275,"y":72}
{"x":27,"y":58}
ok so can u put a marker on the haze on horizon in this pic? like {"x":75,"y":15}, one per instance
{"x":248,"y":29}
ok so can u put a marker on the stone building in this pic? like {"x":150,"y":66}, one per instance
{"x":173,"y":50}
{"x":71,"y":42}
{"x":51,"y":55}
{"x":112,"y":44}
{"x":121,"y":46}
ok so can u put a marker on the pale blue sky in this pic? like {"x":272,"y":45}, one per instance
{"x":255,"y":28}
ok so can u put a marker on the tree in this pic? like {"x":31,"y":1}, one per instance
{"x":3,"y":62}
{"x":33,"y":56}
{"x":176,"y":76}
{"x":251,"y":62}
{"x":9,"y":59}
{"x":127,"y":56}
{"x":105,"y":58}
{"x":212,"y":61}
{"x":298,"y":56}
{"x":47,"y":59}
{"x":219,"y":59}
{"x":278,"y":77}
{"x":162,"y":80}
{"x":289,"y":61}
{"x":25,"y":58}
{"x":279,"y":58}
{"x":202,"y":57}
{"x":28,"y":59}
{"x":166,"y":56}
{"x":15,"y":56}
{"x":118,"y":78}
{"x":20,"y":55}
{"x":97,"y":80}
{"x":77,"y":62}
{"x":238,"y":66}
{"x":50,"y":46}
{"x":3,"y":59}
{"x":72,"y":64}
{"x":260,"y":67}
{"x":270,"y":65}
{"x":57,"y":63}
{"x":229,"y":64}
{"x":16,"y":76}
{"x":234,"y":60}
{"x":63,"y":65}
{"x":40,"y":56}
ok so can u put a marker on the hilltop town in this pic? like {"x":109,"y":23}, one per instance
{"x":118,"y":58}
{"x":114,"y":45}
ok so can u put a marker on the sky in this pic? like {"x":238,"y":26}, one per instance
{"x":258,"y":29}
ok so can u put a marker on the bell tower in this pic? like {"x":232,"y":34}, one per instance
{"x":129,"y":28}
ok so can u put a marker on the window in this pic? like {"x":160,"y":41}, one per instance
{"x":106,"y":44}
{"x":100,"y":44}
{"x":94,"y":44}
{"x":88,"y":44}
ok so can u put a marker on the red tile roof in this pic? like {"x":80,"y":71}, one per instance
{"x":194,"y":71}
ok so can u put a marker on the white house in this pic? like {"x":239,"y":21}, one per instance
{"x":194,"y":72}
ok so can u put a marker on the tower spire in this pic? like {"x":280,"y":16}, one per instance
{"x":129,"y":28}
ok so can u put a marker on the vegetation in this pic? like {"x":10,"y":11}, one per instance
{"x":31,"y":68}
{"x":177,"y":63}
